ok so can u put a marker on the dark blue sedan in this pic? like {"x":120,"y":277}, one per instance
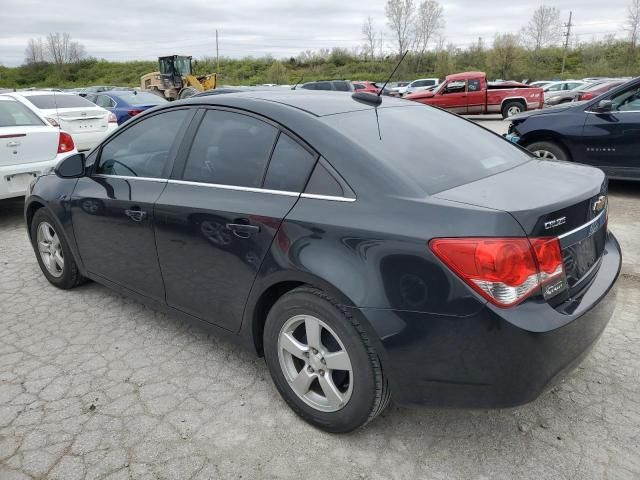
{"x":124,"y":103}
{"x":603,"y":132}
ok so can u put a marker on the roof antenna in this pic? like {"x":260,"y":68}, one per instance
{"x":375,"y":100}
{"x":297,"y":83}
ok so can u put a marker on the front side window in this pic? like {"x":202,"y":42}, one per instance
{"x":455,"y":87}
{"x":627,"y":101}
{"x":143,"y":149}
{"x":289,"y":166}
{"x":230,"y":149}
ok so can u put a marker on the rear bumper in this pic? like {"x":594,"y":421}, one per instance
{"x":87,"y":141}
{"x":497,"y":357}
{"x":12,"y":186}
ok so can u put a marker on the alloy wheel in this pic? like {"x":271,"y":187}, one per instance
{"x":514,"y":110}
{"x":315,"y":363}
{"x":50,"y":249}
{"x":544,"y":154}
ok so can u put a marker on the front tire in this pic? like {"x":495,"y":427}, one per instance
{"x":548,"y":150}
{"x":53,"y":253}
{"x":322,"y":362}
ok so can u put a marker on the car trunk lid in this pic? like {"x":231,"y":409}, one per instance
{"x":81,"y":120}
{"x":549,"y":199}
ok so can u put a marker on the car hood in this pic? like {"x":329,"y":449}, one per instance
{"x":546,"y":111}
{"x":420,"y":94}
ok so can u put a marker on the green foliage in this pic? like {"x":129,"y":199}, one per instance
{"x":507,"y":59}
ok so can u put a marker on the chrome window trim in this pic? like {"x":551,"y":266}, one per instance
{"x":127,"y":177}
{"x":235,"y":187}
{"x":326,"y":197}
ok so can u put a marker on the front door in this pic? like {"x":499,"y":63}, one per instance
{"x":612,"y":139}
{"x":219,"y":214}
{"x":112,"y":207}
{"x":453,"y":97}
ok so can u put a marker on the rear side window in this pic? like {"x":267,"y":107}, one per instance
{"x":230,"y":149}
{"x":59,"y":101}
{"x":323,"y":183}
{"x":289,"y":167}
{"x":474,"y":85}
{"x":341,"y":86}
{"x":422,"y":145}
{"x":14,"y":114}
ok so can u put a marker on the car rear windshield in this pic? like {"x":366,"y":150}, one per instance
{"x":433,"y":149}
{"x":59,"y":101}
{"x":14,"y":114}
{"x":141,"y":98}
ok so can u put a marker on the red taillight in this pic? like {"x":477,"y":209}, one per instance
{"x":133,"y":112}
{"x":113,"y":118}
{"x":65,"y":143}
{"x":585,"y":96}
{"x":505,"y":271}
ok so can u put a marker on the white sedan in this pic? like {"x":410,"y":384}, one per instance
{"x":87,"y":123}
{"x":28,"y":146}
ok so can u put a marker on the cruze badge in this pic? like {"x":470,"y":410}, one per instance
{"x":600,"y":204}
{"x":555,"y":223}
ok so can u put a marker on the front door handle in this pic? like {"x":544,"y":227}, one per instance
{"x":243,"y":230}
{"x":136,"y":214}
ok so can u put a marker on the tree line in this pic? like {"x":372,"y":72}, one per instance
{"x":539,"y":50}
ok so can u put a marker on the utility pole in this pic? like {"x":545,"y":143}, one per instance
{"x":567,"y":35}
{"x":217,"y":54}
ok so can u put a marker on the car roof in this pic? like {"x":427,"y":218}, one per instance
{"x":30,"y":93}
{"x":318,"y":103}
{"x":465,"y":75}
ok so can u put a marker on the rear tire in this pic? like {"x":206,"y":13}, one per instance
{"x":53,"y":253}
{"x":548,"y":150}
{"x":344,"y":359}
{"x":511,"y":108}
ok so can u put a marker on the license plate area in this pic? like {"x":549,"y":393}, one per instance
{"x":19,"y":182}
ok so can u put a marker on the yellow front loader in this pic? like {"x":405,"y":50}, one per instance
{"x":176,"y":80}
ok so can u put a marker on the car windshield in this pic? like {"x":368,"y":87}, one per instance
{"x":141,"y":98}
{"x":14,"y":114}
{"x":423,"y":145}
{"x":59,"y":101}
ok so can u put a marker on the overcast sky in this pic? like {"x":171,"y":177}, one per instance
{"x":146,"y":29}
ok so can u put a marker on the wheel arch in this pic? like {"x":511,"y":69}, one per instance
{"x":521,"y":100}
{"x":547,"y":136}
{"x":30,"y":210}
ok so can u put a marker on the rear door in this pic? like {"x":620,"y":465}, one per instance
{"x":220,"y":212}
{"x":112,"y":207}
{"x":612,"y":139}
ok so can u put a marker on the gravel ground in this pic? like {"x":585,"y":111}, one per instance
{"x":95,"y":385}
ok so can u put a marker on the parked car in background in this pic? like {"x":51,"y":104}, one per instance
{"x":29,"y":145}
{"x":555,"y":88}
{"x":468,"y":93}
{"x":593,"y":91}
{"x":125,"y":104}
{"x":97,"y":89}
{"x":368,"y":253}
{"x":335,"y":85}
{"x":87,"y":123}
{"x":370,"y":87}
{"x":603,"y":132}
{"x":540,"y":83}
{"x":417,"y":86}
{"x":599,"y":86}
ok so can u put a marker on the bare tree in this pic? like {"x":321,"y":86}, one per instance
{"x":400,"y":14}
{"x":505,"y":54}
{"x":544,"y":29}
{"x":61,"y":50}
{"x":633,"y":22}
{"x":34,"y":53}
{"x":370,"y":38}
{"x":429,"y":22}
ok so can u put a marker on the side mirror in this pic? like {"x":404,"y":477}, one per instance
{"x":604,"y":106}
{"x":71,"y":167}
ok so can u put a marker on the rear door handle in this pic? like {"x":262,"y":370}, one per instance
{"x":136,"y":215}
{"x":243,"y":230}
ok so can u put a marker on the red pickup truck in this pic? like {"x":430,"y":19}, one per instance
{"x":469,"y":93}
